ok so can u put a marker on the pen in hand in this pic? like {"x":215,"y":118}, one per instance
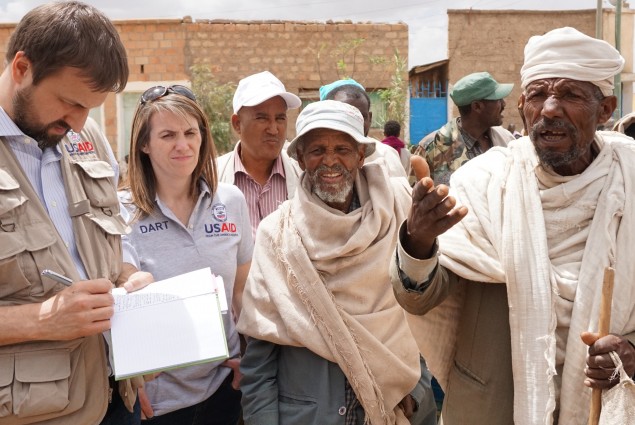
{"x":57,"y":277}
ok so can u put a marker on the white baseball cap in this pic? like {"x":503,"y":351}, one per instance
{"x":257,"y":88}
{"x":334,"y":115}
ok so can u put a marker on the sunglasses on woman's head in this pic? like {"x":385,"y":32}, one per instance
{"x":156,"y":92}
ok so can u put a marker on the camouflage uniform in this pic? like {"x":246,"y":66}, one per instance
{"x":448,"y":148}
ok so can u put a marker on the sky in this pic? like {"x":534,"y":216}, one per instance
{"x":427,"y":19}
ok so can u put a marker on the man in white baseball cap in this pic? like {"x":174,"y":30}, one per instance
{"x":257,"y":164}
{"x":325,"y":331}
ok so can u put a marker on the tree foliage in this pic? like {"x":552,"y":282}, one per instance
{"x":396,"y":96}
{"x":216,"y":101}
{"x":393,"y":98}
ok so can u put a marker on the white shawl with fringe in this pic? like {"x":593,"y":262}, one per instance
{"x":504,"y":239}
{"x":319,"y":279}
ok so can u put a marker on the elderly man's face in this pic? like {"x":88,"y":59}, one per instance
{"x":331,"y":159}
{"x":561,"y":116}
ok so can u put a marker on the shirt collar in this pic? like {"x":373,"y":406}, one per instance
{"x":7,"y":126}
{"x":202,"y":187}
{"x":9,"y":129}
{"x":278,"y":166}
{"x":467,"y":139}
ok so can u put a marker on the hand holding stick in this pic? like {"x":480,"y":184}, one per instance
{"x":603,"y":329}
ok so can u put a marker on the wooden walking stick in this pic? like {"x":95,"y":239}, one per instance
{"x":603,"y":329}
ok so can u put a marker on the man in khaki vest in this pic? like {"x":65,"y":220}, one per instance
{"x":59,"y":211}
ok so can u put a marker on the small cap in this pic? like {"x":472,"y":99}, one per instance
{"x":257,"y":88}
{"x":327,"y":88}
{"x":478,"y":86}
{"x":334,"y":115}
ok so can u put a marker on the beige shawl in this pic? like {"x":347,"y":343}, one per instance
{"x":503,"y":239}
{"x":319,"y":279}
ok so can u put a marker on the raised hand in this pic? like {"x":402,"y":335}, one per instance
{"x":433,"y":212}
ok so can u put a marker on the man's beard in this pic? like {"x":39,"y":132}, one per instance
{"x":341,"y":193}
{"x":22,"y":106}
{"x":556,"y":159}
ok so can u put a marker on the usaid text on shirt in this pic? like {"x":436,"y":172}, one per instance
{"x":220,"y":226}
{"x":77,"y":145}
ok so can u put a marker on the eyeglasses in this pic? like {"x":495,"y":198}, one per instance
{"x":156,"y":92}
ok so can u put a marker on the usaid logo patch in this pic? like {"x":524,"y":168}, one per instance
{"x":219,"y":211}
{"x":76,"y":146}
{"x":222,"y":227}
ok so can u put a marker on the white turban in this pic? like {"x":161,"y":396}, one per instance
{"x":568,"y":53}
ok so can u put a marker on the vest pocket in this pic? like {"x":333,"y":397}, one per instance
{"x":19,"y":254}
{"x":38,"y":384}
{"x":41,"y":382}
{"x":6,"y":377}
{"x":12,"y":279}
{"x":34,"y":382}
{"x":12,"y":197}
{"x":99,"y":188}
{"x":111,"y":224}
{"x":103,"y":205}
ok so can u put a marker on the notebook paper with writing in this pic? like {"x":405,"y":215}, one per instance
{"x":171,"y":323}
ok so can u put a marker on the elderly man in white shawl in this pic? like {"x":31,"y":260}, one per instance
{"x":328,"y":342}
{"x":523,"y":238}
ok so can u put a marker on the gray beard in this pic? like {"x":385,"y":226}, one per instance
{"x":338,"y":197}
{"x":550,"y":158}
{"x":556,"y":160}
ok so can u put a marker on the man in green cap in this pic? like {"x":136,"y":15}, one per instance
{"x":480,"y":99}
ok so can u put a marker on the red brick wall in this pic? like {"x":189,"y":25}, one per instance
{"x":164,"y":50}
{"x":302,"y":54}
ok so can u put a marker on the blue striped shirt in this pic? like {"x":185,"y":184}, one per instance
{"x":44,"y":171}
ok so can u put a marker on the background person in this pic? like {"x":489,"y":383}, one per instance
{"x":351,"y":92}
{"x":625,"y":125}
{"x":391,"y":138}
{"x":480,"y":100}
{"x":196,"y":222}
{"x":257,"y":165}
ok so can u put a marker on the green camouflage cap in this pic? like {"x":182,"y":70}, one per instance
{"x":478,"y":86}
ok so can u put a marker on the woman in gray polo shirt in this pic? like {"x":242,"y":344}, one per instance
{"x":184,"y":220}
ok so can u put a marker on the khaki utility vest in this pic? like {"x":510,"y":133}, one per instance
{"x":57,"y":382}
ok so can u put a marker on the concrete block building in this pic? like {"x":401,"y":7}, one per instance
{"x":494,"y":41}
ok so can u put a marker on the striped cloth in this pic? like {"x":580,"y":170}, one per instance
{"x":261,"y":200}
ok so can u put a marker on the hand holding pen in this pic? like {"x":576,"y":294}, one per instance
{"x":82,"y":308}
{"x":57,"y":277}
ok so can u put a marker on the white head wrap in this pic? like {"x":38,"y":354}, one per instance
{"x":624,"y":123}
{"x":568,"y":53}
